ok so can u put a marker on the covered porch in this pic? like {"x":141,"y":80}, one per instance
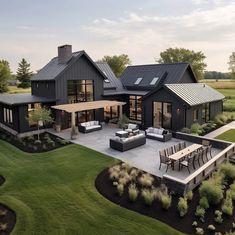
{"x":75,"y":108}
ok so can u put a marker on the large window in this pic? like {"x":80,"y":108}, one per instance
{"x":84,"y":116}
{"x":162,"y":115}
{"x":111,"y":113}
{"x":31,"y":108}
{"x":206,"y":112}
{"x":80,"y":91}
{"x":7,"y":116}
{"x":135,"y":107}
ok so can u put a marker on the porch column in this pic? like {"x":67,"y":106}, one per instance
{"x":120,"y":111}
{"x":73,"y":119}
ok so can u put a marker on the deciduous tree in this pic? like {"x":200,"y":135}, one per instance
{"x":231,"y":64}
{"x":5,"y":75}
{"x":118,"y":63}
{"x":177,"y":55}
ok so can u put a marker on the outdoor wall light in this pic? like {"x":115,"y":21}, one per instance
{"x":178,"y":110}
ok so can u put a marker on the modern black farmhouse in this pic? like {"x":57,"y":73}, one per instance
{"x":158,"y":95}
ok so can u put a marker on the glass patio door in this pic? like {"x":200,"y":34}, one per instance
{"x":162,"y":115}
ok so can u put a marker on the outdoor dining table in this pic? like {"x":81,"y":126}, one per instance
{"x":178,"y":156}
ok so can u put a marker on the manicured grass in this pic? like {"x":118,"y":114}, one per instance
{"x":54,"y":193}
{"x":16,"y":90}
{"x":227,"y":136}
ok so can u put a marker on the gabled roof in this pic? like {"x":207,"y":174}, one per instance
{"x":113,"y":81}
{"x":174,"y":71}
{"x":53,"y":69}
{"x":26,"y":98}
{"x":194,"y":93}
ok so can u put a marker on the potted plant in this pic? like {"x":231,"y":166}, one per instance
{"x":57,"y":127}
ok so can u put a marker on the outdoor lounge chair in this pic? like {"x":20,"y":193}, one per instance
{"x":164,"y":160}
{"x":130,"y":128}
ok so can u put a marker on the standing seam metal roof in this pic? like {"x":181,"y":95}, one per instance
{"x":195,"y":93}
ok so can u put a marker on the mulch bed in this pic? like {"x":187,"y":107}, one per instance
{"x":8,"y":218}
{"x":27,"y":144}
{"x":171,"y":217}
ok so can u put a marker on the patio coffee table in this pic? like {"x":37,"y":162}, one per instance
{"x":122,"y":134}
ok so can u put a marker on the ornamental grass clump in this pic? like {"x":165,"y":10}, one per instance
{"x":199,"y":231}
{"x":189,"y":195}
{"x":3,"y":227}
{"x":134,"y":174}
{"x":133,"y":192}
{"x":182,"y":206}
{"x":228,"y":170}
{"x":218,"y":217}
{"x":120,"y":189}
{"x":232,"y":189}
{"x":211,"y":227}
{"x":200,"y":212}
{"x":126,"y":166}
{"x":166,"y":201}
{"x":212,"y":189}
{"x":148,"y":196}
{"x":204,"y":203}
{"x":227,"y":207}
{"x":146,"y":180}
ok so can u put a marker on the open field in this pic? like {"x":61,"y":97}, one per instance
{"x":54,"y":193}
{"x":16,"y":90}
{"x":220,"y":84}
{"x":227,"y":136}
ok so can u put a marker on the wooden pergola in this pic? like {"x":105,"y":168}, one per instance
{"x":84,"y":106}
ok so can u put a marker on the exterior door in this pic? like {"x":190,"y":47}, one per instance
{"x":162,"y":115}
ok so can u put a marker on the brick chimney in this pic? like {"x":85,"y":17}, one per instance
{"x":64,"y":53}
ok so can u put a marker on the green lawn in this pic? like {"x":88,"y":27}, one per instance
{"x":227,"y":136}
{"x":54,"y":193}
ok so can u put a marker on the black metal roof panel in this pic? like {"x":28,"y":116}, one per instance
{"x":51,"y":70}
{"x":174,"y":72}
{"x":27,"y":98}
{"x":195,"y":93}
{"x":125,"y":92}
{"x":113,"y":81}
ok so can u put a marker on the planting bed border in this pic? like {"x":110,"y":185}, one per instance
{"x":171,"y":217}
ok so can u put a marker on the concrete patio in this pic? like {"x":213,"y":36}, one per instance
{"x":145,"y":157}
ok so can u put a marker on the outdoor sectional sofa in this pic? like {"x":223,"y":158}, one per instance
{"x":87,"y":127}
{"x":158,"y":134}
{"x":124,"y":144}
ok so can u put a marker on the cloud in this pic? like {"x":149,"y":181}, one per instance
{"x":144,"y":36}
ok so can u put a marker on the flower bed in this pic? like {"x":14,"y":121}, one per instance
{"x":193,"y":213}
{"x":31,"y":144}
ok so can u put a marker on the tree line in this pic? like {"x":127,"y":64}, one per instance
{"x":23,"y":75}
{"x":118,"y":63}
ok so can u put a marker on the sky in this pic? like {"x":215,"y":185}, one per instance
{"x":141,"y":29}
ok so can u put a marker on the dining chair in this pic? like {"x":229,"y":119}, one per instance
{"x":177,"y":147}
{"x":182,"y":145}
{"x":188,"y":162}
{"x":165,"y":160}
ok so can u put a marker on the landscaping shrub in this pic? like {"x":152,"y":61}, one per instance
{"x":120,"y":189}
{"x":200,"y":212}
{"x":182,"y":206}
{"x":218,"y":217}
{"x":123,"y":121}
{"x":146,"y":180}
{"x":30,"y":138}
{"x":44,"y":147}
{"x":204,"y":203}
{"x":199,"y":231}
{"x":3,"y":213}
{"x":211,"y":227}
{"x":221,"y":119}
{"x":227,"y":206}
{"x":148,"y":196}
{"x":3,"y":227}
{"x":51,"y":143}
{"x":114,"y":175}
{"x":134,"y":174}
{"x":186,"y":130}
{"x":126,"y":166}
{"x":166,"y":201}
{"x":194,"y":224}
{"x":212,"y":191}
{"x":37,"y":142}
{"x":232,"y":188}
{"x":228,"y":170}
{"x":189,"y":195}
{"x":124,"y":180}
{"x":197,"y":129}
{"x":133,"y":192}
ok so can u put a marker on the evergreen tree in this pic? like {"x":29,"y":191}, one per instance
{"x":5,"y":75}
{"x":24,"y":74}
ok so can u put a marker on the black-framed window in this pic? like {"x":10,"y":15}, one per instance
{"x":206,"y":112}
{"x":7,"y":116}
{"x":135,"y":103}
{"x":195,"y":115}
{"x":111,"y":113}
{"x":162,"y":115}
{"x":80,"y":91}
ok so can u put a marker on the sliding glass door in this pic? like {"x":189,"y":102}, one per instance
{"x":162,"y":115}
